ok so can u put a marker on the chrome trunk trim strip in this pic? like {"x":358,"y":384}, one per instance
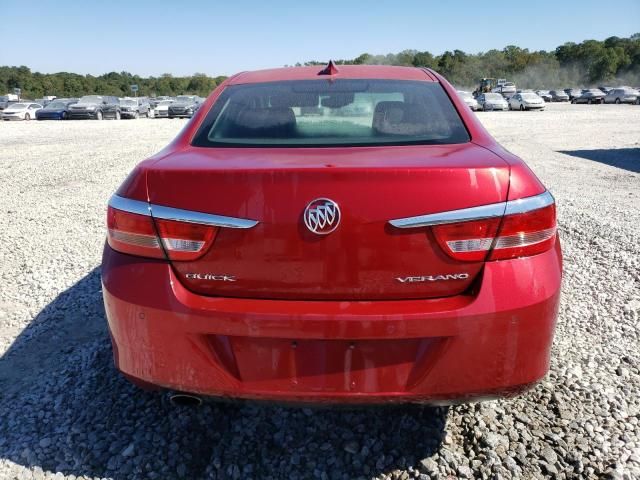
{"x":177,"y":214}
{"x":129,"y":205}
{"x":476,"y":213}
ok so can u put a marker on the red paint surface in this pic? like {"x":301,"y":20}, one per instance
{"x":324,"y":318}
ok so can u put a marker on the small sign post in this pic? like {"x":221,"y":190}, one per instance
{"x":134,"y":89}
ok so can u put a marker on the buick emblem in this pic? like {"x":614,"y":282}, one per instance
{"x":322,"y":216}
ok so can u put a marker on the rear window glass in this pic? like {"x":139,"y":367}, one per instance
{"x":317,"y":113}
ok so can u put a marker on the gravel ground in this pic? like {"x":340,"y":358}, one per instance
{"x":66,"y":413}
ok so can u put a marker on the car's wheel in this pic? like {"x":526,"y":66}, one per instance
{"x":99,"y":115}
{"x":27,"y":117}
{"x":136,"y":115}
{"x":118,"y":115}
{"x":63,"y":116}
{"x":522,"y":108}
{"x":617,"y":101}
{"x":589,"y":101}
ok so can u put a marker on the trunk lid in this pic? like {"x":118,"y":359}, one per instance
{"x":365,"y":258}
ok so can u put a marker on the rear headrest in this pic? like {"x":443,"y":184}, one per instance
{"x":274,"y":122}
{"x":400,"y":118}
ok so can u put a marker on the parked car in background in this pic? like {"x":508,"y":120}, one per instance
{"x":46,"y":100}
{"x":184,"y":106}
{"x":559,"y":96}
{"x":134,"y":107}
{"x":95,"y":107}
{"x":58,"y":109}
{"x":605,"y":89}
{"x":154,"y":101}
{"x":545,"y":95}
{"x":590,"y":95}
{"x":526,"y":101}
{"x":573,"y":93}
{"x":467,"y":98}
{"x":492,"y":101}
{"x":621,"y":95}
{"x":279,"y":268}
{"x":6,"y":100}
{"x":21,"y":111}
{"x":161,"y":110}
{"x":504,"y":88}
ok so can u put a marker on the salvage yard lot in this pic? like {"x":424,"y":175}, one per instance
{"x":64,"y":409}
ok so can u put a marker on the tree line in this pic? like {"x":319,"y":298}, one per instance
{"x":72,"y":85}
{"x":589,"y":63}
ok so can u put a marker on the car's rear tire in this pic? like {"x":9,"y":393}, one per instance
{"x":27,"y":117}
{"x":63,"y":116}
{"x":617,"y":101}
{"x":99,"y":115}
{"x":136,"y":115}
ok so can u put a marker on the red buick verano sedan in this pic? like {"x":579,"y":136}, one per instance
{"x":349,"y":234}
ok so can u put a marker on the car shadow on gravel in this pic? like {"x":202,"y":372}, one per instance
{"x":626,"y":158}
{"x":64,"y":408}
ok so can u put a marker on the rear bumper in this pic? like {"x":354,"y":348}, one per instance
{"x":49,"y":116}
{"x":82,"y":115}
{"x":495,"y":343}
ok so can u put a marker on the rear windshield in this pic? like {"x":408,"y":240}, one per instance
{"x":318,"y":113}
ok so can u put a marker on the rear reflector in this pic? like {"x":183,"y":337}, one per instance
{"x":521,"y":234}
{"x":135,"y":234}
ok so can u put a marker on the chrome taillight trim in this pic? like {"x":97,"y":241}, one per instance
{"x":482,"y":212}
{"x":129,"y":205}
{"x":452,"y":216}
{"x":177,"y":214}
{"x":527,"y":204}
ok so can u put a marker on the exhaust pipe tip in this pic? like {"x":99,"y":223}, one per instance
{"x":184,"y":400}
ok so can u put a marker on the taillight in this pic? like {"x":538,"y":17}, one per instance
{"x":514,"y":235}
{"x":136,"y":234}
{"x":185,"y":241}
{"x":525,"y":234}
{"x":468,"y":241}
{"x":133,"y":233}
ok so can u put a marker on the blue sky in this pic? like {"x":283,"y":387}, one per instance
{"x":221,"y":38}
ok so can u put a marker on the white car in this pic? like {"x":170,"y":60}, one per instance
{"x":526,"y":101}
{"x":492,"y":101}
{"x":467,"y":98}
{"x":162,"y":109}
{"x":21,"y":111}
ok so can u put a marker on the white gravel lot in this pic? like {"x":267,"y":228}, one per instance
{"x":66,"y":413}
